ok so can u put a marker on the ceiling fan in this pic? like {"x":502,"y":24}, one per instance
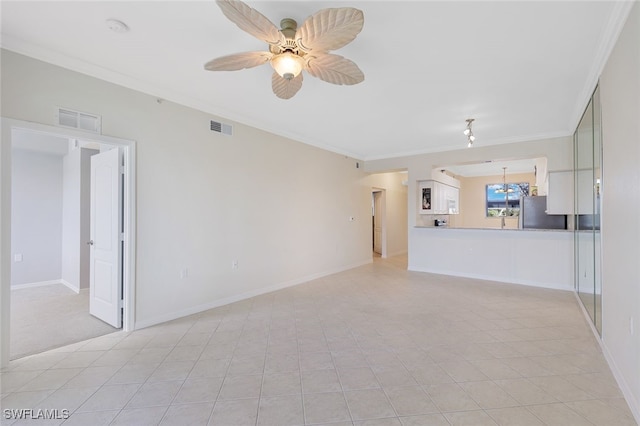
{"x":293,"y":49}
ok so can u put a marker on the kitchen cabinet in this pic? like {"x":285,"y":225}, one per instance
{"x":438,"y":198}
{"x":452,"y":199}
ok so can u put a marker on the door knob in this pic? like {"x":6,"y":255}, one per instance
{"x":90,"y":242}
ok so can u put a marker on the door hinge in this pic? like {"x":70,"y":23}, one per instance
{"x":121,"y":304}
{"x":122,"y":236}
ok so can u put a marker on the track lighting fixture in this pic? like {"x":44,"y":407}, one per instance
{"x":468,"y":132}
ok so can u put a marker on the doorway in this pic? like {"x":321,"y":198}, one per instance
{"x":378,"y":223}
{"x":90,"y":144}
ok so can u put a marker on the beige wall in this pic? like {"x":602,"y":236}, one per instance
{"x":279,"y":207}
{"x":473,"y":201}
{"x":620,"y":99}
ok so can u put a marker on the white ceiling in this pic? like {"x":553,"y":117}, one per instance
{"x":523,"y":70}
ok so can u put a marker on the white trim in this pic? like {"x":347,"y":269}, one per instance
{"x":437,"y":149}
{"x":70,"y":286}
{"x":622,"y":383}
{"x":44,"y":283}
{"x":612,"y":30}
{"x":36,"y":284}
{"x":553,"y":286}
{"x":129,"y":152}
{"x":243,"y":296}
{"x":620,"y":379}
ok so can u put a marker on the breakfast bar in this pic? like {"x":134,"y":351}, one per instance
{"x":535,"y":257}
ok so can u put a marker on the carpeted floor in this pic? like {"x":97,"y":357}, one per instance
{"x":51,"y":316}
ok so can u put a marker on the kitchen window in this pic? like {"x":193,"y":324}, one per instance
{"x":503,"y":199}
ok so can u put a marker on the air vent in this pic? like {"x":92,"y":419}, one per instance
{"x":78,"y":120}
{"x":225,"y":129}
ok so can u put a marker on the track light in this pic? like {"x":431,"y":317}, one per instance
{"x":468,"y":132}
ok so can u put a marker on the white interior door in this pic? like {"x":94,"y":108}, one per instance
{"x":377,"y":222}
{"x":105,"y":278}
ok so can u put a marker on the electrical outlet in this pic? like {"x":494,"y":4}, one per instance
{"x":17,"y":257}
{"x":184,"y":273}
{"x":234,"y":264}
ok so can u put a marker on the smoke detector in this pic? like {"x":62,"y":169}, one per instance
{"x":117,"y":26}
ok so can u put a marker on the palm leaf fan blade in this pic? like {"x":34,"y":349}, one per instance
{"x":251,"y":21}
{"x":329,"y":29}
{"x":335,"y":69}
{"x":284,"y":88}
{"x":238,"y":61}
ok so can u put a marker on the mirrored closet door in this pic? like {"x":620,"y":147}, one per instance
{"x":588,"y":183}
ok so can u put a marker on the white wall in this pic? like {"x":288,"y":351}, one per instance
{"x":36,"y":211}
{"x":620,"y":99}
{"x":278,"y":207}
{"x":396,"y":209}
{"x":536,"y":258}
{"x":71,"y":219}
{"x":85,"y":210}
{"x":75,"y":217}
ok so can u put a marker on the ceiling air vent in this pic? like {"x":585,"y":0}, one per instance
{"x":225,"y":129}
{"x":78,"y":120}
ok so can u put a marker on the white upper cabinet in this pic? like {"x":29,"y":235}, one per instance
{"x":438,"y":198}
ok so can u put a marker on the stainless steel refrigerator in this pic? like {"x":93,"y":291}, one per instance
{"x":533,"y":215}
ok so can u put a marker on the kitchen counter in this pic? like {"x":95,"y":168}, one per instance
{"x":495,"y":229}
{"x":537,"y":257}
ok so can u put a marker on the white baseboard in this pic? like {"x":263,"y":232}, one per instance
{"x":567,"y":287}
{"x":242,"y":296}
{"x":36,"y":284}
{"x":624,"y":386}
{"x":71,"y":286}
{"x":49,"y":282}
{"x":620,"y":378}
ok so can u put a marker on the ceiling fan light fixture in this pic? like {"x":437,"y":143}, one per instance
{"x":288,"y":65}
{"x":293,"y":49}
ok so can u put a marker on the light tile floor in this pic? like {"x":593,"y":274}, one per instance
{"x":374,"y":346}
